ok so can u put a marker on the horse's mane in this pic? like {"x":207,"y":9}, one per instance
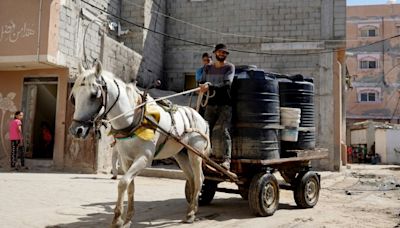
{"x":132,"y":92}
{"x":89,"y":77}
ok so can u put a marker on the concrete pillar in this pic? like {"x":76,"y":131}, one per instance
{"x":325,"y":111}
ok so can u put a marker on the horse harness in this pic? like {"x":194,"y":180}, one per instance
{"x":130,"y":131}
{"x":96,"y":119}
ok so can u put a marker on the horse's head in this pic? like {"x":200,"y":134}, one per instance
{"x":88,"y":96}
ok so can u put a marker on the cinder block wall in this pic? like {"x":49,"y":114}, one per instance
{"x":314,"y":26}
{"x":80,"y":35}
{"x":245,"y":25}
{"x":303,"y":20}
{"x":148,"y":44}
{"x":84,"y":36}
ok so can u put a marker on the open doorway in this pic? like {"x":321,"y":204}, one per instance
{"x":190,"y":81}
{"x":39,"y":106}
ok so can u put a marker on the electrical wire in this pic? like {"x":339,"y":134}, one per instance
{"x":230,"y":34}
{"x":210,"y":46}
{"x":84,"y":43}
{"x":145,"y":28}
{"x":395,"y":109}
{"x":375,"y":85}
{"x":197,"y":43}
{"x":308,"y":52}
{"x":369,"y":44}
{"x":386,"y":73}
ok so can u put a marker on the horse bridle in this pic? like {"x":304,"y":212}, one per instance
{"x":96,"y":118}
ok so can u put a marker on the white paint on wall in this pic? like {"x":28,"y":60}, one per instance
{"x":388,"y":145}
{"x":7,"y":108}
{"x":11,"y":32}
{"x":358,"y":137}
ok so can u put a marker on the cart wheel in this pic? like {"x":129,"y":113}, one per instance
{"x":206,"y":194}
{"x":244,"y":191}
{"x":306,"y":190}
{"x":264,"y":194}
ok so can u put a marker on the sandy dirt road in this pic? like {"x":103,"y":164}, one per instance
{"x":362,"y":196}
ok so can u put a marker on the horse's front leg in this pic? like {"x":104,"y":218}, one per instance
{"x":131,"y":209}
{"x":138,"y":165}
{"x":118,"y":221}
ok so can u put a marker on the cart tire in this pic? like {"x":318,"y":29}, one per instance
{"x":206,"y":194}
{"x":264,"y":194}
{"x":306,"y":190}
{"x":244,"y":191}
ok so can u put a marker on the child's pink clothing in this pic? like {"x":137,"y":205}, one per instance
{"x":15,"y":134}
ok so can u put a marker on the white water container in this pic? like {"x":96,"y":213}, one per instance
{"x":290,"y":119}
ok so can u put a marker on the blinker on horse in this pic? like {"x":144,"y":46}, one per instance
{"x":97,"y":95}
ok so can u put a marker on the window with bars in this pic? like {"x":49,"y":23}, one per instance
{"x":369,"y":96}
{"x":369,"y":31}
{"x":368,"y":64}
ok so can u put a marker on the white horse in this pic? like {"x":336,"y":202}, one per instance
{"x":98,"y":94}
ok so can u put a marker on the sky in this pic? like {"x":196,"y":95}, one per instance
{"x":367,"y":2}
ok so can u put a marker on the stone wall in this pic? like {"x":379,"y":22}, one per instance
{"x":285,"y":36}
{"x":146,"y":13}
{"x":85,"y":36}
{"x":247,"y":25}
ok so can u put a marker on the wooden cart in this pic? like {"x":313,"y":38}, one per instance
{"x":257,"y":184}
{"x":255,"y":178}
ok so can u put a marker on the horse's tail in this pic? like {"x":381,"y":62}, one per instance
{"x":207,"y":150}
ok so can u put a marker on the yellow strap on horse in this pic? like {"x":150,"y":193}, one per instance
{"x":147,"y":130}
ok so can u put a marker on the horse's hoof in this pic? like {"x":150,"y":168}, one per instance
{"x":189,"y":219}
{"x":118,"y":224}
{"x":127,"y":225}
{"x":115,"y":226}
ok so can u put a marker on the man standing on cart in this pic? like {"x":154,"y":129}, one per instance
{"x":218,"y":113}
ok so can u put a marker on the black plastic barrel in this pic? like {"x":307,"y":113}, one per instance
{"x":298,"y":92}
{"x":255,"y":109}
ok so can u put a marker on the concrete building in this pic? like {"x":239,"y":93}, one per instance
{"x":149,"y":39}
{"x":39,"y":54}
{"x":373,"y":60}
{"x":285,"y":36}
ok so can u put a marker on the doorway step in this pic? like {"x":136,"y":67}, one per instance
{"x":39,"y":164}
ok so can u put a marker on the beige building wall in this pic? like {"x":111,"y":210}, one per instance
{"x":384,"y":50}
{"x":54,"y":36}
{"x":28,"y":40}
{"x":44,"y":38}
{"x":388,"y":145}
{"x":11,"y":89}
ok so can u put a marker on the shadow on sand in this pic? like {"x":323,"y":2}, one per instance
{"x":167,"y":213}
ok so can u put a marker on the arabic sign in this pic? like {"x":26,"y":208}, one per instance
{"x":12,"y":32}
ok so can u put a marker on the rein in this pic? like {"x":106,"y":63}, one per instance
{"x":128,"y":131}
{"x":155,"y":100}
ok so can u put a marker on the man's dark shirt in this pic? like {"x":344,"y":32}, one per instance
{"x":221,"y":80}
